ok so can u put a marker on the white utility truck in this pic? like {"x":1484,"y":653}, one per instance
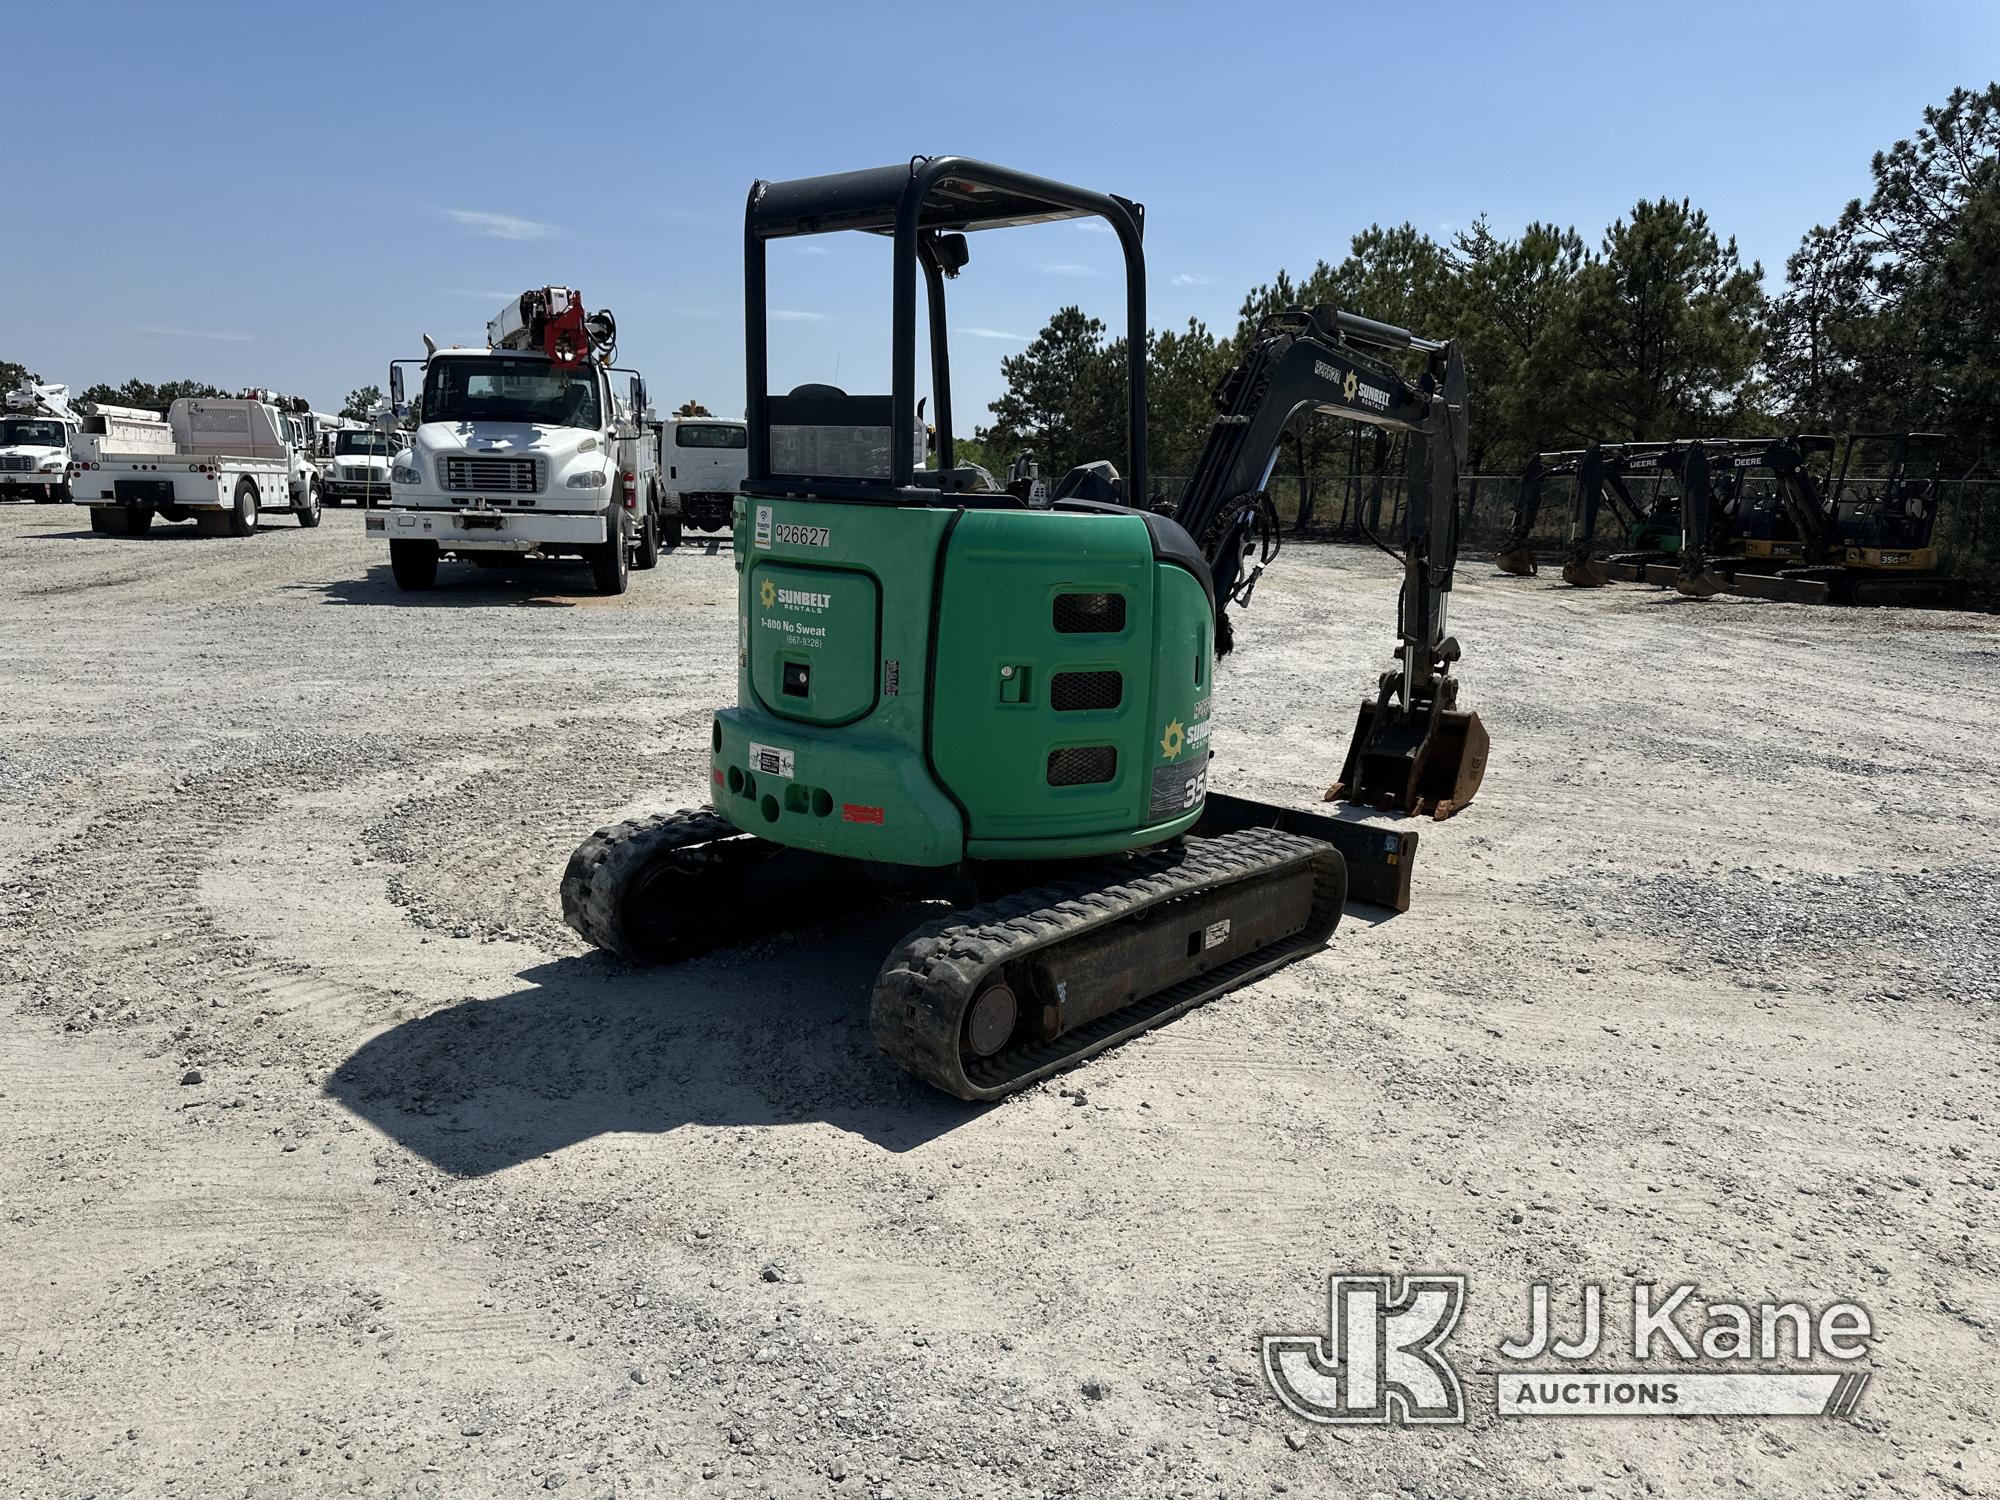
{"x":228,"y":460}
{"x":357,"y":467}
{"x":35,"y":433}
{"x":524,"y":447}
{"x":707,"y":457}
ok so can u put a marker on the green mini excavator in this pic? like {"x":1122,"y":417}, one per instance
{"x":956,"y":693}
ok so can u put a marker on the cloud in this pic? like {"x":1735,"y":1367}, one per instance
{"x":477,"y":295}
{"x":1188,"y":278}
{"x":500,"y":226}
{"x":213,"y":335}
{"x":794,"y":315}
{"x":805,"y":247}
{"x":993,"y":333}
{"x":1068,"y":268}
{"x":1095,"y":226}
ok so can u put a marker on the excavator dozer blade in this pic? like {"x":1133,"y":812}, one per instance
{"x":1520,"y":561}
{"x":1428,"y":761}
{"x":1586,"y":573}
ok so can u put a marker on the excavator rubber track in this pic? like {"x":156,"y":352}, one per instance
{"x":996,"y":997}
{"x":675,"y":885}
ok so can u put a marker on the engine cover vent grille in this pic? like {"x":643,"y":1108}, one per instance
{"x":1073,"y":692}
{"x":1087,"y":765}
{"x":1089,"y":614}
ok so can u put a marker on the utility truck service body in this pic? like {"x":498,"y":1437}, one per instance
{"x":525,"y":447}
{"x":227,"y":461}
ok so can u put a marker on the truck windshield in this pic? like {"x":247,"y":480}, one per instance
{"x":710,"y":435}
{"x":31,"y":434}
{"x":496,"y":388}
{"x":365,"y":442}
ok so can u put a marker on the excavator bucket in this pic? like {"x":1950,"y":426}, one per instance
{"x":1430,"y":760}
{"x":1520,"y":561}
{"x":1586,"y":573}
{"x":1698,"y":580}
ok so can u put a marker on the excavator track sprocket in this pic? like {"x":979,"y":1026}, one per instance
{"x":674,"y":885}
{"x":996,"y":997}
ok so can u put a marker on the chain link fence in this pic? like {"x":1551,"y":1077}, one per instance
{"x":1345,"y":507}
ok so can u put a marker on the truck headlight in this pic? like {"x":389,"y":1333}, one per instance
{"x":403,"y":474}
{"x":53,"y":465}
{"x":589,"y":479}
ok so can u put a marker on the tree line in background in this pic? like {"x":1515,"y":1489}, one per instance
{"x":143,"y":394}
{"x":1889,"y":320}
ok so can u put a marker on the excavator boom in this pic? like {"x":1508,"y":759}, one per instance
{"x":1413,"y":750}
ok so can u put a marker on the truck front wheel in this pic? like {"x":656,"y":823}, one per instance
{"x":138,"y":520}
{"x":415,"y":564}
{"x":670,"y":531}
{"x":307,"y":510}
{"x":611,"y":559}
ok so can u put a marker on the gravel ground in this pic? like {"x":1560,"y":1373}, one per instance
{"x":333,"y":1163}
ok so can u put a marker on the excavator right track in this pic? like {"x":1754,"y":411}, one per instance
{"x":989,"y":1000}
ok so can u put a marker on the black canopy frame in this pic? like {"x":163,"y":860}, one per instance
{"x":914,"y":204}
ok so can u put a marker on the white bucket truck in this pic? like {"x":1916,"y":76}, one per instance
{"x":525,"y":447}
{"x":35,"y":432}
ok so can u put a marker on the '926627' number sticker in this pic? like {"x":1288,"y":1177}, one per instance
{"x":803,"y":536}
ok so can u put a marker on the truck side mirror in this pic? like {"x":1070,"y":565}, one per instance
{"x":638,"y":398}
{"x":396,"y":401}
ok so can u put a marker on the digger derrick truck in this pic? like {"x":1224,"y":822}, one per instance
{"x":945,"y":691}
{"x":36,"y":427}
{"x":525,"y":447}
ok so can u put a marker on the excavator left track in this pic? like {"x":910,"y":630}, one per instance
{"x":675,"y":885}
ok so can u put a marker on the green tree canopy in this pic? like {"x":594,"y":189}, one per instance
{"x":1664,"y":330}
{"x":1891,"y":315}
{"x":144,"y":394}
{"x":361,"y":402}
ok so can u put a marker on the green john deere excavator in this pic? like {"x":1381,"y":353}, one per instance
{"x":948,"y":691}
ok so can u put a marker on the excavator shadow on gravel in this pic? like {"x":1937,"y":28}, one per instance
{"x":951,"y":692}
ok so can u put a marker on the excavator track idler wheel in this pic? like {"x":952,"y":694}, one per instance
{"x":990,"y":1022}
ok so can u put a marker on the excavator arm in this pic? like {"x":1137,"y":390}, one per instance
{"x":1411,"y":750}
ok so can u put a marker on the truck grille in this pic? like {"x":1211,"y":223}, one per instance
{"x":16,"y":463}
{"x":511,"y":476}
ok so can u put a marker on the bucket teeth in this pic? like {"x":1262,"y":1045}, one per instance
{"x":1429,"y":759}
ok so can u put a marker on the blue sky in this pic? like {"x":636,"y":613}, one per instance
{"x":290,"y":195}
